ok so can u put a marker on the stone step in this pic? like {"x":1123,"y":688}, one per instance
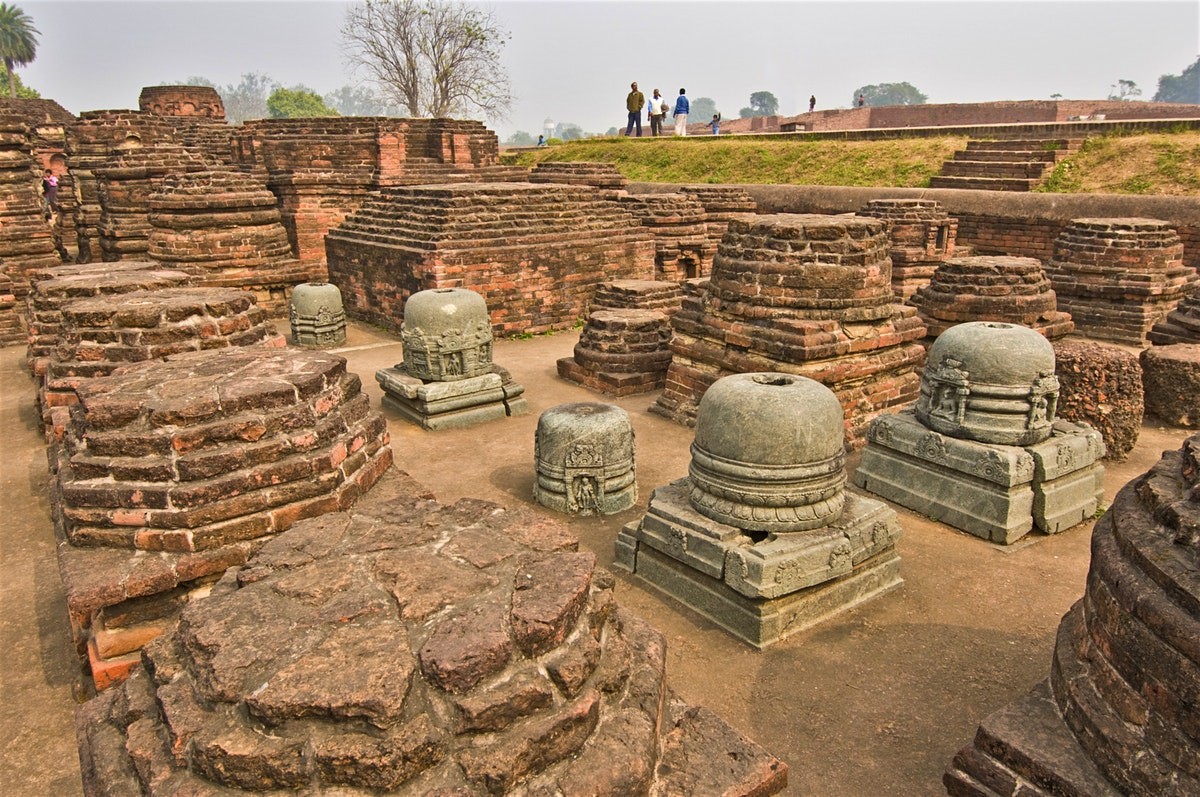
{"x":1009,"y":155}
{"x":1020,"y":169}
{"x":983,"y":183}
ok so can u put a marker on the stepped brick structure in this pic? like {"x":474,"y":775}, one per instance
{"x":922,"y":236}
{"x":124,"y":187}
{"x":621,"y":352}
{"x":173,"y":470}
{"x":91,"y":140}
{"x":1003,"y":165}
{"x":1119,"y":277}
{"x":225,"y":229}
{"x":802,"y":294}
{"x":55,"y":287}
{"x":11,"y":331}
{"x":683,"y":249}
{"x":1101,"y":386}
{"x":721,"y":203}
{"x":413,"y":648}
{"x":1012,"y":290}
{"x":1181,"y":325}
{"x":535,"y":252}
{"x":26,"y":243}
{"x":598,"y":175}
{"x":103,"y":333}
{"x":762,"y":536}
{"x":1171,"y":377}
{"x":201,"y":101}
{"x":666,"y":297}
{"x":1117,"y":715}
{"x":321,"y":170}
{"x":981,"y":450}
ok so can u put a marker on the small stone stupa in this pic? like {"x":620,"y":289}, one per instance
{"x":981,"y":449}
{"x":583,"y":454}
{"x":448,"y":379}
{"x":762,"y":537}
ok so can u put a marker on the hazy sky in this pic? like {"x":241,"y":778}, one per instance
{"x":573,"y":61}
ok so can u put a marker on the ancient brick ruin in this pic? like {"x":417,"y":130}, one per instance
{"x":172,"y":471}
{"x":202,"y":101}
{"x":598,"y":175}
{"x":1011,"y":290}
{"x":621,"y":352}
{"x":721,"y":203}
{"x":801,"y":294}
{"x":1171,"y":377}
{"x":1101,"y":385}
{"x":124,"y":186}
{"x":225,"y":229}
{"x":666,"y":297}
{"x":921,"y":235}
{"x":1116,"y":715}
{"x":25,"y":235}
{"x":10,"y":314}
{"x":1117,"y":278}
{"x":534,"y":252}
{"x":683,"y":249}
{"x":411,"y":647}
{"x":1181,"y":325}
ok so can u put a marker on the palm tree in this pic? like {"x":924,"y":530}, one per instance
{"x":18,"y":41}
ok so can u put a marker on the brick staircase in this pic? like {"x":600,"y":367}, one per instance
{"x":1013,"y":165}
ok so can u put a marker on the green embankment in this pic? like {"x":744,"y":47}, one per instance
{"x":1158,"y":163}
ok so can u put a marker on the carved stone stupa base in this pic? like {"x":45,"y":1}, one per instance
{"x":765,"y":587}
{"x":451,"y":405}
{"x":994,"y":491}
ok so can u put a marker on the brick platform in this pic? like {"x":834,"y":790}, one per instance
{"x":721,"y":203}
{"x":621,"y":352}
{"x":598,"y":175}
{"x":535,"y":252}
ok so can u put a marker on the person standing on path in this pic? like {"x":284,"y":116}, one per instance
{"x":633,"y":104}
{"x":658,"y":107}
{"x":680,"y":113}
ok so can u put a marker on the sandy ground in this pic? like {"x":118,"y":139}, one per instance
{"x":874,"y":701}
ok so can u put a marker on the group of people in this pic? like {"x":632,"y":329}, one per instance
{"x":656,"y":109}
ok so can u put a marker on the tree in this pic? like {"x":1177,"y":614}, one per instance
{"x":520,"y":139}
{"x":18,"y":42}
{"x":572,"y":133}
{"x":702,"y":109}
{"x":248,"y":99}
{"x":1124,"y":90}
{"x":888,"y":94}
{"x":1183,"y":87}
{"x":360,"y":101}
{"x":433,"y":58}
{"x":23,"y":92}
{"x":762,"y":103}
{"x":298,"y":102}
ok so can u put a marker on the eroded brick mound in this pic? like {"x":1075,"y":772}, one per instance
{"x":55,"y":287}
{"x":1117,"y":278}
{"x":124,"y":185}
{"x":225,"y":229}
{"x":595,"y":174}
{"x":678,"y":222}
{"x":1118,"y":713}
{"x":637,"y":295}
{"x":535,"y":252}
{"x":1171,"y":379}
{"x":101,"y":334}
{"x":1012,"y":290}
{"x":413,"y":648}
{"x":25,"y":236}
{"x":922,"y":236}
{"x":801,"y":294}
{"x":1182,"y":325}
{"x":10,"y":318}
{"x":621,"y":352}
{"x":1101,"y":386}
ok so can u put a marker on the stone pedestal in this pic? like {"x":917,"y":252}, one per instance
{"x":1119,"y":277}
{"x":621,"y":352}
{"x":1117,"y":716}
{"x":981,"y":449}
{"x":317,"y":316}
{"x":762,"y":537}
{"x":451,"y":405}
{"x":584,"y":458}
{"x":922,"y":236}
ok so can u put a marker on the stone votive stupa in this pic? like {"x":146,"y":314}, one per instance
{"x":317,"y":316}
{"x":1119,"y":277}
{"x":762,"y":537}
{"x":1117,"y":715}
{"x":981,"y":450}
{"x":1012,"y":290}
{"x":921,"y":236}
{"x":584,"y":458}
{"x":448,"y":379}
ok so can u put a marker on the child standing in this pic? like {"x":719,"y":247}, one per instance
{"x":715,"y":124}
